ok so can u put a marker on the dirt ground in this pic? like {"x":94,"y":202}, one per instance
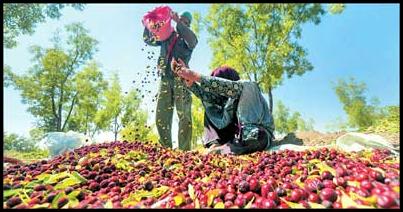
{"x":314,"y":138}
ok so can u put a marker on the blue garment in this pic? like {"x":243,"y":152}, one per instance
{"x":219,"y":117}
{"x":252,"y":108}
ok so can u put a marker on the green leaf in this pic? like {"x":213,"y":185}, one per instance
{"x":157,"y":192}
{"x":67,"y":183}
{"x":299,"y":183}
{"x":219,"y":205}
{"x":32,"y":184}
{"x":43,"y":176}
{"x":56,"y":177}
{"x":103,"y":152}
{"x":56,"y":199}
{"x":324,"y":167}
{"x":11,"y":192}
{"x":179,"y":199}
{"x":79,"y":177}
{"x":73,"y":194}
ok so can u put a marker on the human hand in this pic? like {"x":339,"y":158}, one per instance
{"x":180,"y":69}
{"x":175,"y":16}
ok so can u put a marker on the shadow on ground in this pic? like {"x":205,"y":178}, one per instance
{"x":290,"y":138}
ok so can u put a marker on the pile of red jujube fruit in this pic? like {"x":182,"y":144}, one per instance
{"x":144,"y":175}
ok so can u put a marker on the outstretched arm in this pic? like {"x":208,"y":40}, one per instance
{"x":211,"y":84}
{"x":205,"y":96}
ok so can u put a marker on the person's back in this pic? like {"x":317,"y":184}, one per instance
{"x":253,"y":108}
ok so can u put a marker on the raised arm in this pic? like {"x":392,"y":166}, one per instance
{"x":187,"y":34}
{"x":149,"y":39}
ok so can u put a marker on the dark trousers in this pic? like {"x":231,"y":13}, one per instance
{"x":240,"y":146}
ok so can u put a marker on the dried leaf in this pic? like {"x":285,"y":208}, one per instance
{"x":197,"y":204}
{"x":347,"y":202}
{"x":191,"y":191}
{"x":211,"y":195}
{"x":315,"y":205}
{"x":324,"y":167}
{"x":292,"y":204}
{"x":249,"y":205}
{"x":108,"y":204}
{"x":44,"y":205}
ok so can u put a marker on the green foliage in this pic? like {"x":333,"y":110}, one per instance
{"x":134,"y":121}
{"x":50,"y":86}
{"x":122,"y":114}
{"x":112,"y":106}
{"x":336,"y":8}
{"x":21,"y":19}
{"x":351,"y":94}
{"x":196,"y":23}
{"x":388,"y":121}
{"x":286,"y":122}
{"x":22,"y":148}
{"x":18,"y":143}
{"x":197,"y":120}
{"x":33,"y":155}
{"x":261,"y":40}
{"x":91,"y":84}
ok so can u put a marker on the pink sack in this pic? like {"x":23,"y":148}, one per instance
{"x":158,"y":21}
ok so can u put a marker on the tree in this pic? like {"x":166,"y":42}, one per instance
{"x":280,"y":117}
{"x":261,"y":40}
{"x":122,"y":114}
{"x":351,"y":94}
{"x":134,"y":120}
{"x":387,"y":121}
{"x":18,"y":143}
{"x":49,"y":86}
{"x":111,"y":107}
{"x":21,"y":19}
{"x":91,"y":84}
{"x":286,"y":122}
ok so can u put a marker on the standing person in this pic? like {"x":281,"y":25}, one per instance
{"x":255,"y":122}
{"x":172,"y":91}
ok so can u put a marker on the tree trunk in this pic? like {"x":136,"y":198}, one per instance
{"x":116,"y":128}
{"x":71,"y":109}
{"x":270,"y":100}
{"x":86,"y":123}
{"x":59,"y":120}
